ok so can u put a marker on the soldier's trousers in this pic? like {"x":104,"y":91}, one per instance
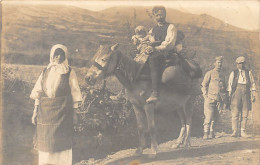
{"x":211,"y":115}
{"x":239,"y":107}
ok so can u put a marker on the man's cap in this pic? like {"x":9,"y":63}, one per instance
{"x":157,"y":8}
{"x":219,"y":58}
{"x":240,"y":59}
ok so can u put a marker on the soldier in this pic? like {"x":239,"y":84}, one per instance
{"x":211,"y":87}
{"x":241,"y":87}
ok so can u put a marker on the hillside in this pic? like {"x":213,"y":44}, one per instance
{"x":29,"y":33}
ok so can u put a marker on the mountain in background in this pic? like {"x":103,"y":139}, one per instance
{"x":143,"y":14}
{"x":29,"y":31}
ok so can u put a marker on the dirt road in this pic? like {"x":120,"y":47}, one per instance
{"x":222,"y":150}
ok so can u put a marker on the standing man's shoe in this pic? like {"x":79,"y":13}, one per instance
{"x":244,"y":134}
{"x":206,"y":136}
{"x":234,"y":134}
{"x":211,"y":135}
{"x":154,"y":97}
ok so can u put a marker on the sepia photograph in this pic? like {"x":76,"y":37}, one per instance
{"x":130,"y":82}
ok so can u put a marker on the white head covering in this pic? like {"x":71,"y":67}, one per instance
{"x":62,"y":68}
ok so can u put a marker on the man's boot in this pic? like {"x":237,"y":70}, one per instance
{"x":211,"y":135}
{"x":244,"y":134}
{"x":206,"y":136}
{"x":212,"y":130}
{"x":235,"y":134}
{"x":119,"y":96}
{"x":154,"y":97}
{"x":235,"y":127}
{"x":243,"y":128}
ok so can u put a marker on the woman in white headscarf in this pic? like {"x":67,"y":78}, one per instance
{"x":56,"y":94}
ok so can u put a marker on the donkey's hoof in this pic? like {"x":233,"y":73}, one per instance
{"x":138,"y":152}
{"x":187,"y":146}
{"x":154,"y":151}
{"x":176,"y":146}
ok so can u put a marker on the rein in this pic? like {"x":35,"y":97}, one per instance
{"x":97,"y":65}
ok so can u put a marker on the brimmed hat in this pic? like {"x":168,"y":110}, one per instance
{"x":240,"y":59}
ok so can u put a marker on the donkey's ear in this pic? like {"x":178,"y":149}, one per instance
{"x":114,"y":47}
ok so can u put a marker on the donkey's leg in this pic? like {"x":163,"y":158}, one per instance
{"x":181,"y":137}
{"x":149,"y":110}
{"x":188,"y":111}
{"x":140,"y":118}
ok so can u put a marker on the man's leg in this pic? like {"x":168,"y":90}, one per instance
{"x":208,"y":113}
{"x":215,"y":119}
{"x":245,"y":109}
{"x":235,"y":110}
{"x":155,"y":62}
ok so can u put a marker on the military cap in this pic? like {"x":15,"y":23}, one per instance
{"x":219,"y":58}
{"x":240,"y":59}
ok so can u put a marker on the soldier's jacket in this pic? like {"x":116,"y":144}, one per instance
{"x":212,"y":84}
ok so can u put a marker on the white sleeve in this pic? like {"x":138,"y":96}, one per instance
{"x":37,"y":90}
{"x":75,"y":90}
{"x":230,"y":81}
{"x":170,"y":39}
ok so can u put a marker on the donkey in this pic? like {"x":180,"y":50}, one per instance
{"x":109,"y":61}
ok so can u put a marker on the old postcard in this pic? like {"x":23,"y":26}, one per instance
{"x":130,"y":82}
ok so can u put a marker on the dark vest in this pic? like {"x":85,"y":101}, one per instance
{"x":63,"y":88}
{"x":235,"y":80}
{"x":160,"y":32}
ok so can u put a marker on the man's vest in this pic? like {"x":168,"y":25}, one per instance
{"x":160,"y":32}
{"x":235,"y":80}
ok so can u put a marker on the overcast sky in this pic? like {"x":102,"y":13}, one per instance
{"x":243,"y":14}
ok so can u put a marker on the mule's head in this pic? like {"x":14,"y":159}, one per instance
{"x":104,"y":64}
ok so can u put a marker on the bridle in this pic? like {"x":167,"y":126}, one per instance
{"x":105,"y":68}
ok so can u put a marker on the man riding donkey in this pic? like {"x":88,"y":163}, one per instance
{"x":154,"y":47}
{"x":167,"y":44}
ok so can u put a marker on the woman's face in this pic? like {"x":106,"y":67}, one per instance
{"x":58,"y":58}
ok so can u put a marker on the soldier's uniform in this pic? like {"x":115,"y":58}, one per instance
{"x":241,"y":85}
{"x":211,"y":88}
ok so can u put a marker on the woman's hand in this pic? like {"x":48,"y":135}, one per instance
{"x":252,"y":96}
{"x":75,"y":116}
{"x":34,"y":116}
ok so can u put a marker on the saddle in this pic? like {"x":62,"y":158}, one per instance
{"x":177,"y":72}
{"x":191,"y":67}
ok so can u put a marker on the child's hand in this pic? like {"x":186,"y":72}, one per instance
{"x":75,"y":116}
{"x":149,"y":50}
